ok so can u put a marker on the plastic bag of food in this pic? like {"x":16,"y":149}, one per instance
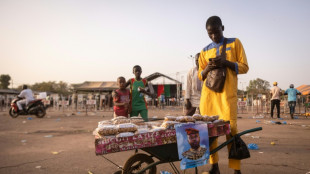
{"x":150,"y":125}
{"x":127,"y":127}
{"x":198,"y":117}
{"x":105,"y":130}
{"x":121,"y":121}
{"x":142,"y":131}
{"x":155,"y":129}
{"x":200,"y":122}
{"x":137,"y":120}
{"x":207,"y":118}
{"x":169,"y":124}
{"x":125,"y":134}
{"x":220,"y":121}
{"x":184,"y":119}
{"x":170,"y":118}
{"x":105,"y":122}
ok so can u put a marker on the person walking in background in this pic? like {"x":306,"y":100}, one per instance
{"x":292,"y":95}
{"x":222,"y":103}
{"x":275,"y":93}
{"x":193,"y":89}
{"x":162,"y":100}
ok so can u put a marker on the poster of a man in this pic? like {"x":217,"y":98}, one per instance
{"x":193,"y":138}
{"x":193,"y":144}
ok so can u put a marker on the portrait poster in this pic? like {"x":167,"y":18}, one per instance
{"x":193,"y":144}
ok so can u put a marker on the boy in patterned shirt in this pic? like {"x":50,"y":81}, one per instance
{"x":121,"y":98}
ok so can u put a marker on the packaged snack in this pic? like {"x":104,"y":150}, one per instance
{"x":137,"y":120}
{"x":136,"y":117}
{"x":150,"y":125}
{"x":170,"y":118}
{"x":200,"y":122}
{"x":207,"y":118}
{"x":125,"y":134}
{"x":119,"y":118}
{"x":215,"y":117}
{"x":189,"y":119}
{"x":127,"y":127}
{"x":155,"y":129}
{"x":218,"y":121}
{"x":142,"y":131}
{"x":169,"y":124}
{"x":197,"y":117}
{"x":105,"y":122}
{"x":105,"y":130}
{"x":185,"y":119}
{"x":121,"y":121}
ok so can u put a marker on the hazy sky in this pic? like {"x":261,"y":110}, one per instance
{"x":76,"y":41}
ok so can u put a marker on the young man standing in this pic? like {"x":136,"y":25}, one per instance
{"x":193,"y":89}
{"x":222,"y":103}
{"x":138,"y":87}
{"x":292,"y":95}
{"x":275,"y":93}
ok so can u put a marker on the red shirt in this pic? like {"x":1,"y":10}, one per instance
{"x":121,"y":97}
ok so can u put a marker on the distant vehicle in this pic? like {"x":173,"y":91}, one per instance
{"x":35,"y":107}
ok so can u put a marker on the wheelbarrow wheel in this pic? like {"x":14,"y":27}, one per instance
{"x":137,"y":162}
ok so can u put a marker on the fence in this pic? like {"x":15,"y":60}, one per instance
{"x":264,"y":107}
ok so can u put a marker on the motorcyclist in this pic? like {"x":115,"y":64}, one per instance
{"x":27,"y":94}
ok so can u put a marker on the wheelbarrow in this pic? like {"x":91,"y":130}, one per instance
{"x":143,"y":162}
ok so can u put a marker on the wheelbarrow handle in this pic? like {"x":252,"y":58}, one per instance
{"x":250,"y":130}
{"x":230,"y":140}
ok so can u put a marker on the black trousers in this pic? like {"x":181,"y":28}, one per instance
{"x":277,"y":104}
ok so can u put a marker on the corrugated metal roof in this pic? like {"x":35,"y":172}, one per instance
{"x":8,"y":91}
{"x":98,"y":86}
{"x":304,"y":89}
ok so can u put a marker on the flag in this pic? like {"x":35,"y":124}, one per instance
{"x":160,"y":89}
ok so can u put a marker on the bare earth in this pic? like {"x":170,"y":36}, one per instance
{"x":63,"y":143}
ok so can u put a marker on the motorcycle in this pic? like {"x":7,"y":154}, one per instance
{"x":35,"y":107}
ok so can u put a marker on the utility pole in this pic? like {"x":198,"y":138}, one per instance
{"x":192,"y":58}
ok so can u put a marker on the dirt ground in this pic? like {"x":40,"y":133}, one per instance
{"x":62,"y":142}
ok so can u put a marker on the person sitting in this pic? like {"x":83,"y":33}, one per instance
{"x":27,"y":96}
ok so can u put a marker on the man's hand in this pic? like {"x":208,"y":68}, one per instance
{"x":142,"y":90}
{"x":209,"y":68}
{"x":218,"y":61}
{"x":188,"y":104}
{"x":126,"y":105}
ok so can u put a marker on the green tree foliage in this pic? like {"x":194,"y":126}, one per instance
{"x":4,"y":81}
{"x":51,"y":86}
{"x":258,"y":86}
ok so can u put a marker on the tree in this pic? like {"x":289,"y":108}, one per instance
{"x":51,"y":86}
{"x":5,"y":81}
{"x":258,"y":86}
